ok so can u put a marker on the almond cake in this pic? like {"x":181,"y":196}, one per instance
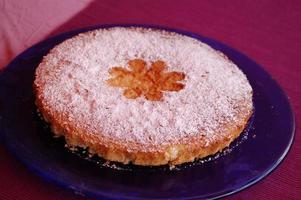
{"x":142,"y":96}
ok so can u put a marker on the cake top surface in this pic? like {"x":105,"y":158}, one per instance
{"x":73,"y":82}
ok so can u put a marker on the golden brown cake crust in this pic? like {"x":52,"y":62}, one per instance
{"x":185,"y":147}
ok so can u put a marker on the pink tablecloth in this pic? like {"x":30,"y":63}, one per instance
{"x":267,"y":31}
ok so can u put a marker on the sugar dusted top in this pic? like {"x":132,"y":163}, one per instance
{"x":72,"y":81}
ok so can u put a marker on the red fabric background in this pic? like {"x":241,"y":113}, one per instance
{"x":267,"y":31}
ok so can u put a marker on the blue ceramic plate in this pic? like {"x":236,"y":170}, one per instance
{"x":269,"y":138}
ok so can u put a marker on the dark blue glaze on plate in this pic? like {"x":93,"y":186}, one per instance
{"x":270,"y":136}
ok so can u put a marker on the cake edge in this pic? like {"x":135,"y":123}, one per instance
{"x":173,"y":154}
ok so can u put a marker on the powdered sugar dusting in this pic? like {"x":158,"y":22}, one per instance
{"x":73,"y":76}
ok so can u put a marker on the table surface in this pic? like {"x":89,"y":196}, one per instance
{"x":269,"y":32}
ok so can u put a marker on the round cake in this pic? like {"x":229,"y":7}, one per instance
{"x":142,"y":96}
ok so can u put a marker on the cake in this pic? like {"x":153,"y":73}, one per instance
{"x":142,"y":96}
